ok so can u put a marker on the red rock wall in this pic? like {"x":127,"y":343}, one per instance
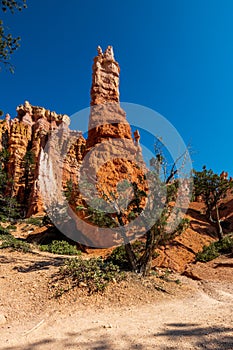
{"x":24,"y":137}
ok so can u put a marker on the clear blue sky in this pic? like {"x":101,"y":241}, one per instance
{"x":176,"y":57}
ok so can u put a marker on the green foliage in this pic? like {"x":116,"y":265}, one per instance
{"x":4,"y":157}
{"x":119,"y":256}
{"x":100,"y":218}
{"x":208,"y":253}
{"x":172,"y":189}
{"x":8,"y":44}
{"x":9,"y":208}
{"x":13,"y":5}
{"x":165,"y":236}
{"x":9,"y":241}
{"x":3,"y":218}
{"x":4,"y":230}
{"x":28,"y":160}
{"x":60,"y":247}
{"x":212,"y":187}
{"x":34,"y":221}
{"x":97,"y":216}
{"x":11,"y":227}
{"x":93,"y":274}
{"x":68,"y":192}
{"x":215,"y":249}
{"x":226,"y":245}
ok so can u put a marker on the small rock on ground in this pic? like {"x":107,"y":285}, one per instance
{"x":2,"y":319}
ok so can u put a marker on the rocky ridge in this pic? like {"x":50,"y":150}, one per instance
{"x":24,"y":137}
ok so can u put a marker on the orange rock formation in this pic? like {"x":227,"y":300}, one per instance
{"x":24,"y":137}
{"x":112,"y":155}
{"x":109,"y":155}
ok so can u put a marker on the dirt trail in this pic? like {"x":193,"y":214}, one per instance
{"x":196,"y":322}
{"x":193,"y":315}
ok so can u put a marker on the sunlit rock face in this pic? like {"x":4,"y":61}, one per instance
{"x":115,"y":154}
{"x":105,"y":78}
{"x":24,"y":137}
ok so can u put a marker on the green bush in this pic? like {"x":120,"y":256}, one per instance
{"x":208,"y":253}
{"x":215,"y":249}
{"x":11,"y":227}
{"x":9,"y":241}
{"x":3,"y":218}
{"x":93,"y":274}
{"x":4,"y":230}
{"x":34,"y":221}
{"x":60,"y":247}
{"x":226,"y":245}
{"x":118,"y":255}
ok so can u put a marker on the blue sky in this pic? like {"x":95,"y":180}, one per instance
{"x":176,"y":57}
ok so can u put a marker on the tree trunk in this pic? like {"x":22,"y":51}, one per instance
{"x":219,"y":227}
{"x":210,"y":215}
{"x":131,"y":257}
{"x":128,"y":247}
{"x":146,"y":260}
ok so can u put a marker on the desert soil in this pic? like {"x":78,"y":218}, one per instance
{"x":194,"y":314}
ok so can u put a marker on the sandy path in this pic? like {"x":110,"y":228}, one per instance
{"x":203,"y":320}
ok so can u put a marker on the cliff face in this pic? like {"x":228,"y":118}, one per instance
{"x":24,"y":137}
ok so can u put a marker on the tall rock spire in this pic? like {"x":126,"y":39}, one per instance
{"x":107,"y":119}
{"x":105,"y":78}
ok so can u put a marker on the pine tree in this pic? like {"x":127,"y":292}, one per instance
{"x":212,"y":188}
